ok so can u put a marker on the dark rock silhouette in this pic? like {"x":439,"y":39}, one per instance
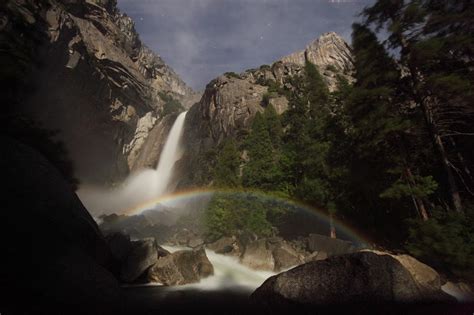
{"x":53,"y":253}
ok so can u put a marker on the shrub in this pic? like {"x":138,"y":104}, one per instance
{"x":446,"y":241}
{"x":231,"y":212}
{"x":171,"y":106}
{"x":232,"y":75}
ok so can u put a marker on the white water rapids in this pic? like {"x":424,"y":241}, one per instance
{"x":228,"y":274}
{"x":142,"y":187}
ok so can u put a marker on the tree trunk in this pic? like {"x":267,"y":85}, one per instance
{"x":456,"y":198}
{"x":422,"y":102}
{"x":419,"y":204}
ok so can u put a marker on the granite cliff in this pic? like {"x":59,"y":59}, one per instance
{"x":231,"y":101}
{"x":84,"y":71}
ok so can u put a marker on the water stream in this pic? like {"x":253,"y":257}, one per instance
{"x":228,"y":274}
{"x":141,"y":187}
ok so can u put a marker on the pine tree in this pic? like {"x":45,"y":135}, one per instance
{"x":226,"y":172}
{"x":434,"y":48}
{"x":379,"y":122}
{"x":261,"y":171}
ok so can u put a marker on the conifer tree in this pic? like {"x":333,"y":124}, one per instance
{"x":226,"y":172}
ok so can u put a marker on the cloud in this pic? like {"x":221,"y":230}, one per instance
{"x":201,"y":39}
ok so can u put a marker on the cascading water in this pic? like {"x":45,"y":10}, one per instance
{"x":151,"y":184}
{"x":142,"y":187}
{"x":228,"y":274}
{"x":170,"y":154}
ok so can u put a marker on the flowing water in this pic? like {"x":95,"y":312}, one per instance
{"x":141,"y":187}
{"x":170,"y":154}
{"x":228,"y":274}
{"x":151,"y":184}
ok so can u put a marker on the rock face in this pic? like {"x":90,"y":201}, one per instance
{"x":230,"y":102}
{"x":181,"y":267}
{"x":330,"y":53}
{"x":258,"y":255}
{"x":331,"y":246}
{"x":362,"y":277}
{"x":89,"y":77}
{"x":147,"y":153}
{"x":272,"y":254}
{"x":226,"y":246}
{"x":52,"y":250}
{"x":142,"y":255}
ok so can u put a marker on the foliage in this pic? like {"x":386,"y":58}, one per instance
{"x":226,"y":172}
{"x":445,"y":241}
{"x":230,"y":213}
{"x":171,"y":105}
{"x":232,"y":75}
{"x":393,"y":147}
{"x":262,"y":171}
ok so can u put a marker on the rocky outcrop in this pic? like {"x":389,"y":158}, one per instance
{"x":230,"y":102}
{"x":89,"y":76}
{"x":331,"y":246}
{"x":272,"y":254}
{"x":258,"y":255}
{"x":181,"y":267}
{"x":362,"y":277}
{"x":330,"y":53}
{"x":463,"y":292}
{"x":226,"y":246}
{"x":52,"y":250}
{"x":152,"y":142}
{"x":142,"y":255}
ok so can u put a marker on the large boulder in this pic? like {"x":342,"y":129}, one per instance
{"x":143,"y":254}
{"x":332,"y":246}
{"x":362,"y":277}
{"x":120,"y":245}
{"x":258,"y":255}
{"x":226,"y":245}
{"x":463,"y":292}
{"x":181,"y":267}
{"x":52,"y":249}
{"x":286,"y":256}
{"x":425,"y":277}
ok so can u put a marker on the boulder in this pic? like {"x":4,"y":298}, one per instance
{"x":143,"y":254}
{"x":426,"y":278}
{"x":315,"y":256}
{"x":224,"y":245}
{"x":461,"y":291}
{"x":181,"y":267}
{"x":361,"y":277}
{"x":52,"y":249}
{"x":285,"y":256}
{"x":258,"y":255}
{"x":182,"y":237}
{"x":120,"y":245}
{"x":332,"y":246}
{"x":196,"y":242}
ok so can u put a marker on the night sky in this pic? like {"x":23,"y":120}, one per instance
{"x":201,"y":39}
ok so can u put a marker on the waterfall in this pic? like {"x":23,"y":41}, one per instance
{"x":169,"y":155}
{"x":142,"y":187}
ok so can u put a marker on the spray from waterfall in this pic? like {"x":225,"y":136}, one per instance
{"x":141,"y":187}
